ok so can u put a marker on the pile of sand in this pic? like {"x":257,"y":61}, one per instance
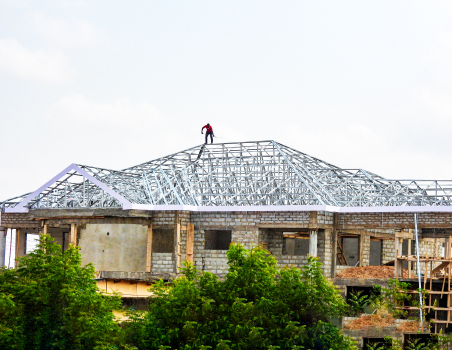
{"x":384,"y":272}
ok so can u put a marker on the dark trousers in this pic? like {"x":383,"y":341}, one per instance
{"x":211,"y":136}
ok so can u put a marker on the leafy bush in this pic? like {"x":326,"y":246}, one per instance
{"x":51,"y":302}
{"x":256,"y":306}
{"x":357,"y":303}
{"x":391,"y":299}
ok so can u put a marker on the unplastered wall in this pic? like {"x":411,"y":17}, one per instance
{"x":366,"y":250}
{"x":429,"y":247}
{"x":114,"y":247}
{"x":325,"y":250}
{"x":288,"y":217}
{"x":388,"y":253}
{"x":244,"y":231}
{"x":393,"y":220}
{"x":165,"y":263}
{"x":162,"y":263}
{"x":273,"y":241}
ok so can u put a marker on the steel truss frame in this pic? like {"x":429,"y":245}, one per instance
{"x":262,"y":173}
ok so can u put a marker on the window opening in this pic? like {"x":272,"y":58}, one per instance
{"x":32,"y":242}
{"x":163,"y":240}
{"x":295,"y":243}
{"x":376,"y":252}
{"x":350,"y":248}
{"x":217,"y":239}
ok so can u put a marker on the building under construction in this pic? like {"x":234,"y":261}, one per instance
{"x":141,"y":223}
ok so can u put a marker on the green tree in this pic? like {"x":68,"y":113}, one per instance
{"x":50,"y":301}
{"x":256,"y":306}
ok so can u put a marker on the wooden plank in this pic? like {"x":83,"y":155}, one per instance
{"x":190,"y":242}
{"x":149,"y":249}
{"x":334,"y":257}
{"x":396,"y":262}
{"x":178,"y":243}
{"x":439,"y":267}
{"x":340,"y":253}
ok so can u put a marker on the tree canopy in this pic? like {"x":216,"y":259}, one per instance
{"x":51,"y":301}
{"x":256,"y":306}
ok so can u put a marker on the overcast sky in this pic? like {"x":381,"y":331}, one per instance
{"x":359,"y":84}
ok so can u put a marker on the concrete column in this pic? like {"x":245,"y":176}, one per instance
{"x":313,"y":243}
{"x":2,"y":246}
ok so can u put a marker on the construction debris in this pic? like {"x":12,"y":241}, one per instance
{"x":410,"y":326}
{"x":376,"y":320}
{"x":384,"y":272}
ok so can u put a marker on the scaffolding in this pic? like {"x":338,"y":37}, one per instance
{"x":435,"y":275}
{"x":261,"y":173}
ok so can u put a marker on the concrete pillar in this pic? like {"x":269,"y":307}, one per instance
{"x":2,"y":246}
{"x":313,"y":243}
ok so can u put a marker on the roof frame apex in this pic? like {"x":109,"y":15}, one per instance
{"x":20,"y":207}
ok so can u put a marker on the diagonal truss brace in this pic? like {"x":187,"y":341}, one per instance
{"x":21,"y":206}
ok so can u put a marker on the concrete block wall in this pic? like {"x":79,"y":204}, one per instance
{"x":325,"y":218}
{"x":13,"y":220}
{"x":253,"y":228}
{"x":388,"y":252}
{"x":274,"y":244}
{"x":430,"y":247}
{"x":244,"y":231}
{"x":162,"y":263}
{"x":212,"y":260}
{"x":165,"y":218}
{"x":393,"y":220}
{"x":366,"y":250}
{"x":325,"y":250}
{"x":284,"y":217}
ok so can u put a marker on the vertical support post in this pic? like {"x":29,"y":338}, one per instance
{"x":73,"y":235}
{"x":178,"y":244}
{"x":409,"y":257}
{"x":149,"y":249}
{"x":419,"y":270}
{"x":334,"y":257}
{"x":396,"y":260}
{"x":2,"y":246}
{"x":361,"y":249}
{"x":17,"y":246}
{"x":313,"y":243}
{"x":190,"y":242}
{"x":84,"y":193}
{"x":44,"y":227}
{"x":401,"y":262}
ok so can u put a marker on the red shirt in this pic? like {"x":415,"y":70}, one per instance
{"x":208,"y":128}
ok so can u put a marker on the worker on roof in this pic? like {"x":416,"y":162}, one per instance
{"x":209,"y":131}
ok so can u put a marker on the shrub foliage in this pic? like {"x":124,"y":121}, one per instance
{"x":256,"y":306}
{"x":51,"y":302}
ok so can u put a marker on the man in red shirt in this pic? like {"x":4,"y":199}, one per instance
{"x":209,"y":131}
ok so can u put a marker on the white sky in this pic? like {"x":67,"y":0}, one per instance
{"x":358,"y":84}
